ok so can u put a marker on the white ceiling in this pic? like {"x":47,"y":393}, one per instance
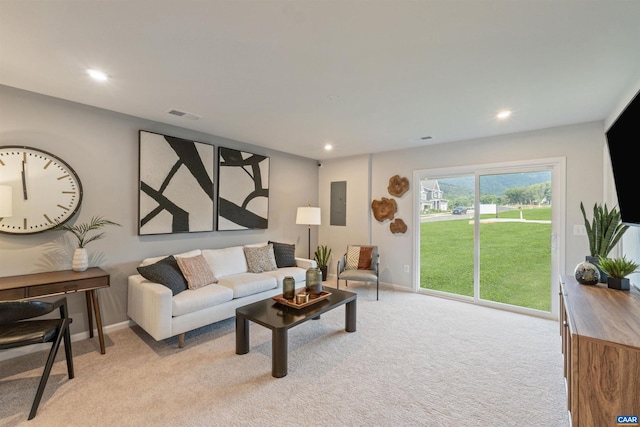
{"x":366,"y":76}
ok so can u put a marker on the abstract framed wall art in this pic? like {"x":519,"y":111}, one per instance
{"x":243,"y":190}
{"x":176,"y":188}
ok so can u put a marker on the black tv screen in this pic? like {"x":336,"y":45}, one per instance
{"x":623,"y":139}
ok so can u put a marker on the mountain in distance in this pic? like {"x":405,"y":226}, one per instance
{"x":491,"y":184}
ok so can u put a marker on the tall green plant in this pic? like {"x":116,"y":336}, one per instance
{"x":322,"y":255}
{"x":604,"y":230}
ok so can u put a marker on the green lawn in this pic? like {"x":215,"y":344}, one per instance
{"x":515,"y":258}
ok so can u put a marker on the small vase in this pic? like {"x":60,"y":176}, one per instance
{"x":586,"y":273}
{"x":314,"y":281}
{"x":288,"y":287}
{"x":80,"y":260}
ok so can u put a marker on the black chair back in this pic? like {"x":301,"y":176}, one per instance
{"x":13,"y":311}
{"x":16,"y":330}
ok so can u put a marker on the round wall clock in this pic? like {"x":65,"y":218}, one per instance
{"x":45,"y":190}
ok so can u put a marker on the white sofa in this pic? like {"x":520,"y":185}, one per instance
{"x":155,"y":308}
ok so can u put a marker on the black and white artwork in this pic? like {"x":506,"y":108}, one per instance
{"x":176,"y":185}
{"x":243,"y":190}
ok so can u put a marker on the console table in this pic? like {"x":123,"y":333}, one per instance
{"x":40,"y":285}
{"x":601,"y":347}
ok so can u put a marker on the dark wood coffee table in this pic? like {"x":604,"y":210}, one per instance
{"x":280,"y":318}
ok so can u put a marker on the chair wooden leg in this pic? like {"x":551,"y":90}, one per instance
{"x":47,"y":370}
{"x":181,"y":340}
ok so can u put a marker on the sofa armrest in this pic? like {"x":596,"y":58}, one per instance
{"x":306,"y":263}
{"x":150,"y":305}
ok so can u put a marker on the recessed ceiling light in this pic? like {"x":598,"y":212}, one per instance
{"x":328,"y":147}
{"x":98,"y":75}
{"x":503,"y":114}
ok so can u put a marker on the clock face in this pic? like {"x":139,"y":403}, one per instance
{"x":45,"y":190}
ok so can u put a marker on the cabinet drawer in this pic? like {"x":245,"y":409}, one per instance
{"x":67,"y":287}
{"x":12,"y":294}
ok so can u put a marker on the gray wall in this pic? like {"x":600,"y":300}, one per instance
{"x":631,"y":240}
{"x":102,"y":147}
{"x":581,"y":145}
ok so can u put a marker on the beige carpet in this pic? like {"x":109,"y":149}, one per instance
{"x":414,"y":361}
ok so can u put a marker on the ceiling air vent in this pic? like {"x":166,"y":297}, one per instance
{"x":183,"y":114}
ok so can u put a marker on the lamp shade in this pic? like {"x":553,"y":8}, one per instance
{"x":308,"y":215}
{"x":6,"y":206}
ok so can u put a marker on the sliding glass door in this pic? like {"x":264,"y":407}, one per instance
{"x":447,"y":234}
{"x":487,"y":235}
{"x":515,"y":239}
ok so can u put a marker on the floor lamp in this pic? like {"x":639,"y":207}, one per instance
{"x":309,"y":216}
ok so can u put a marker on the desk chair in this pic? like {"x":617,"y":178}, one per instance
{"x":17,"y":331}
{"x":360,"y":263}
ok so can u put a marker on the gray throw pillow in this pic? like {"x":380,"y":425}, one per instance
{"x":285,"y":254}
{"x":260,"y":258}
{"x":167,"y":273}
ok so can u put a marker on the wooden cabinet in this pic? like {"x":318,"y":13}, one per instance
{"x":600,"y":331}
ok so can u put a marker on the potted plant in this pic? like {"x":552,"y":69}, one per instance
{"x":322,"y":256}
{"x":604,"y":231}
{"x":80,"y":258}
{"x":617,"y":270}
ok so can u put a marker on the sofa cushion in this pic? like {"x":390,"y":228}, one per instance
{"x":196,"y":270}
{"x":248,"y":283}
{"x":298,"y":274}
{"x":227,"y":261}
{"x":153,"y":260}
{"x":256,"y":245}
{"x":197,"y":299}
{"x":167,"y":273}
{"x":359,"y":275}
{"x":260,"y":259}
{"x":285,"y":254}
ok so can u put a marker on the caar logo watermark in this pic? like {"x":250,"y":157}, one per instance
{"x":627,"y":420}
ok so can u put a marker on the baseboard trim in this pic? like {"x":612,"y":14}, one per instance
{"x":79,"y":336}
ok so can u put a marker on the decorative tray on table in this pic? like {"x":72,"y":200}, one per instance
{"x":292,"y":303}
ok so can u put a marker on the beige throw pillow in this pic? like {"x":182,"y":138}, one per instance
{"x":260,"y":259}
{"x":197,"y":272}
{"x":353,"y":256}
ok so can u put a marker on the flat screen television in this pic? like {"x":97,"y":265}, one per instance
{"x":623,"y":139}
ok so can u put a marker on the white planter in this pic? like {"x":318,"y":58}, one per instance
{"x":80,"y":260}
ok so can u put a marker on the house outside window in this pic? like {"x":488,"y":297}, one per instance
{"x":431,"y":197}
